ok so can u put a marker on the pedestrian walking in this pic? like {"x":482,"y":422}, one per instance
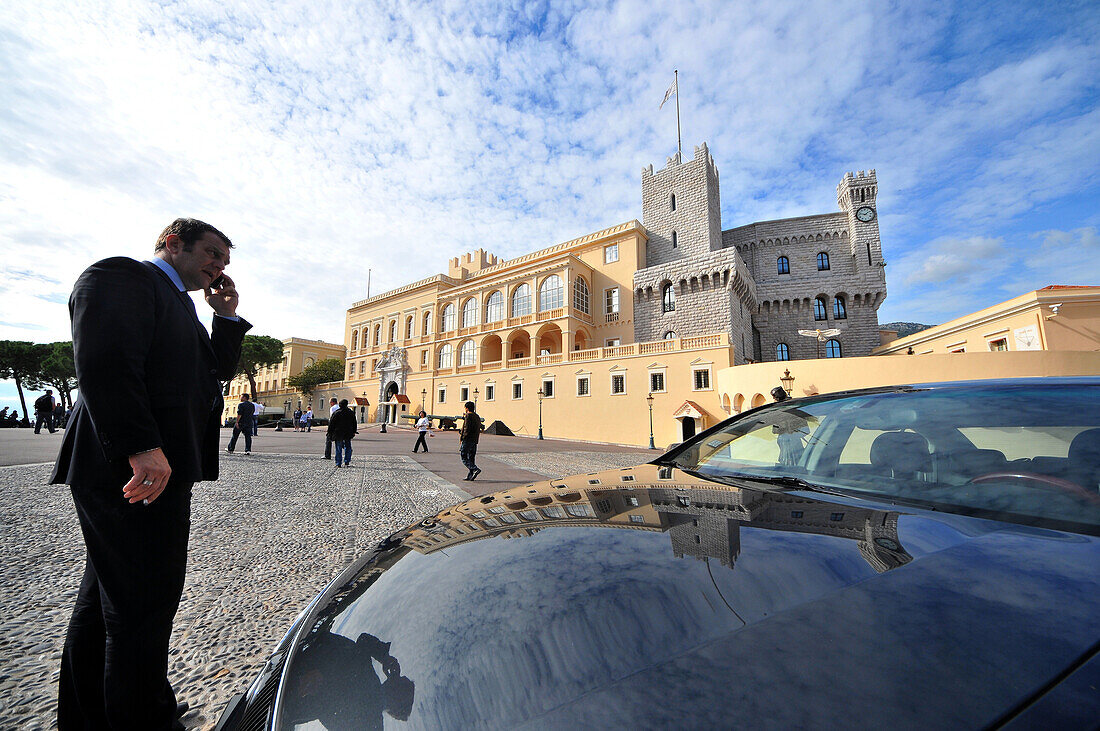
{"x":341,"y":430}
{"x":131,"y":461}
{"x":467,"y":444}
{"x":297,"y":418}
{"x":333,"y":407}
{"x":246,"y":414}
{"x":43,"y":412}
{"x":424,"y":426}
{"x":307,"y":419}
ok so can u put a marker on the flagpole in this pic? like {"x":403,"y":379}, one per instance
{"x":676,"y":80}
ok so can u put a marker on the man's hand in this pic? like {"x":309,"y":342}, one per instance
{"x":224,"y":300}
{"x":151,"y":473}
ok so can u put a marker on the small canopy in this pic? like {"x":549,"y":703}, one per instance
{"x":689,"y":408}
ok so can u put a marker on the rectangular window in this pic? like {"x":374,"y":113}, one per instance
{"x":613,"y":342}
{"x":548,"y":389}
{"x":702,"y":379}
{"x":423,"y":358}
{"x":464,"y":394}
{"x":442,"y":395}
{"x":1001,"y":344}
{"x":796,"y":513}
{"x":351,"y":369}
{"x":490,"y":392}
{"x":618,"y":383}
{"x":656,"y":382}
{"x":517,"y":390}
{"x":637,"y":519}
{"x":611,"y":301}
{"x":610,"y":253}
{"x":631,"y":501}
{"x":836,"y":517}
{"x":582,"y":386}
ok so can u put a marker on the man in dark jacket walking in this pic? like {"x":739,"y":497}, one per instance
{"x":43,"y":412}
{"x":468,"y":435}
{"x":246,"y":412}
{"x":341,"y":429}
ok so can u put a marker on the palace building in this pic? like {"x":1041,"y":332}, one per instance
{"x":629,"y":321}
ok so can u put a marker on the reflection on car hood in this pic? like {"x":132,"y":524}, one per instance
{"x":651,"y":597}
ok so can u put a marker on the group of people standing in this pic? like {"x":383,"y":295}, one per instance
{"x":48,"y":411}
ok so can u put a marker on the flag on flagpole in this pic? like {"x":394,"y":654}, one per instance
{"x":669,"y":94}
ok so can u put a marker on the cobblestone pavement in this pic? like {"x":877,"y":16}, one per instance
{"x":561,"y":464}
{"x":264,"y":540}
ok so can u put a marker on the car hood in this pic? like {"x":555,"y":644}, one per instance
{"x":652,"y":597}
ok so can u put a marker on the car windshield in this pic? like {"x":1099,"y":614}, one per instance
{"x":1029,"y":453}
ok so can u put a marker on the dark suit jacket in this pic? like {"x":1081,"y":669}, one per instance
{"x":149,"y":376}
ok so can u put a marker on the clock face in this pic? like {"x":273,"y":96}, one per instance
{"x":865,"y":214}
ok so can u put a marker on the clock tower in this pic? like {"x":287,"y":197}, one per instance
{"x":856,"y":196}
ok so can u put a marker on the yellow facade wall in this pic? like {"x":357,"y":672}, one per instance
{"x":746,"y":386}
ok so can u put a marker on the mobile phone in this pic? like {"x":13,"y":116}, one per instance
{"x":217,"y":283}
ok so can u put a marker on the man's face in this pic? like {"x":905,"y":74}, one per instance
{"x":202,"y":264}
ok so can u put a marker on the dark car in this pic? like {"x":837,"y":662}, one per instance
{"x":912,"y":557}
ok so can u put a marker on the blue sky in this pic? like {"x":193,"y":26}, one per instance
{"x":326,"y":138}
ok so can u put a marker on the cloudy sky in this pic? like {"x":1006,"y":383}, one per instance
{"x":332,"y":138}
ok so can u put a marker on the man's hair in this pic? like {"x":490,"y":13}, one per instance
{"x":333,"y":400}
{"x":245,"y":395}
{"x":343,"y":403}
{"x":470,"y":406}
{"x":189,"y":230}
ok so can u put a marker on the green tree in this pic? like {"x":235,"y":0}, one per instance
{"x":323,"y":371}
{"x":21,"y":361}
{"x":58,"y":369}
{"x":258,"y":351}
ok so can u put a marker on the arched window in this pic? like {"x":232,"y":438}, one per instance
{"x":674,"y":201}
{"x":550,"y":293}
{"x":377,"y":334}
{"x":393,"y":331}
{"x":408,"y":327}
{"x":354,"y":339}
{"x":494,"y":307}
{"x":840,"y":312}
{"x":675,"y":242}
{"x":467,"y":353}
{"x":832,"y":348}
{"x":782,"y":352}
{"x":670,"y":335}
{"x":469,"y":312}
{"x":521,"y":301}
{"x":580,"y":295}
{"x":427,"y":323}
{"x":445,"y":356}
{"x":783,"y":265}
{"x":668,"y":298}
{"x":821,"y":311}
{"x":447,"y":323}
{"x":823,"y":262}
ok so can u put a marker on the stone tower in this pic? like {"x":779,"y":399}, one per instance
{"x":681,"y":208}
{"x":856,"y":196}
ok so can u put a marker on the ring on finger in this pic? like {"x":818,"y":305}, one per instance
{"x":147,"y":482}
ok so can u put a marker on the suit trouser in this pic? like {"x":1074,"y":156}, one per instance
{"x":114,"y":666}
{"x":328,"y":446}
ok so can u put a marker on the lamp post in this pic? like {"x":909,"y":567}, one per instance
{"x":423,"y":399}
{"x":649,"y":399}
{"x":363,"y":409}
{"x":788,"y":381}
{"x":475,"y":396}
{"x":541,"y":395}
{"x":286,"y":410}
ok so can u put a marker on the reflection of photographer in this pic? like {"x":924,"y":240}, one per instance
{"x":335,"y":682}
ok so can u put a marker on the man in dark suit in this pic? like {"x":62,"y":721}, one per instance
{"x":143,"y":431}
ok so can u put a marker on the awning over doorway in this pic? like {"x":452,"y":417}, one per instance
{"x":689,"y":409}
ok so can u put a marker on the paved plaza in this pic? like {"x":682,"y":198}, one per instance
{"x":279,"y":525}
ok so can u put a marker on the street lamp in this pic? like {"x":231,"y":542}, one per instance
{"x":423,"y":399}
{"x":541,"y":395}
{"x":788,"y":381}
{"x":475,"y":396}
{"x":649,"y":399}
{"x":363,"y":409}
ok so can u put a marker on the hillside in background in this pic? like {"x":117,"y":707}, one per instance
{"x":904,"y":328}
